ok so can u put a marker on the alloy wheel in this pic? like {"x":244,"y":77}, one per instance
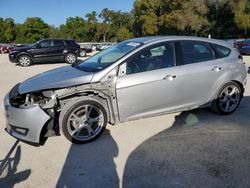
{"x":85,"y":122}
{"x":24,"y":61}
{"x":70,"y":58}
{"x":229,"y":98}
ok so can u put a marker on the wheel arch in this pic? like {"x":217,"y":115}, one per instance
{"x":23,"y":53}
{"x":70,"y":52}
{"x":93,"y":95}
{"x":241,"y":86}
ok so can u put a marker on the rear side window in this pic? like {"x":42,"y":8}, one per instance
{"x":196,"y":51}
{"x":221,"y":51}
{"x":58,"y":43}
{"x":46,"y":43}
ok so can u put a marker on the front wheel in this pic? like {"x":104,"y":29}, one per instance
{"x":83,"y":121}
{"x":228,"y":99}
{"x":24,"y":61}
{"x":70,"y":58}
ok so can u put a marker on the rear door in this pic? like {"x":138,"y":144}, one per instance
{"x":58,"y":49}
{"x":200,"y":72}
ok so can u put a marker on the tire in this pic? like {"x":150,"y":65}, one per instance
{"x":70,"y":58}
{"x":83,"y":53}
{"x":83,"y":121}
{"x":227,"y":99}
{"x":24,"y":61}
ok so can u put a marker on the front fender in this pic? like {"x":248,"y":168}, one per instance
{"x":24,"y":53}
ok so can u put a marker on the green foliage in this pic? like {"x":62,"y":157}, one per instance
{"x":34,"y":29}
{"x":1,"y":30}
{"x":91,"y":26}
{"x":55,"y":32}
{"x":74,"y":28}
{"x":123,"y":33}
{"x":169,"y":17}
{"x":242,"y":15}
{"x":7,"y":31}
{"x":220,"y":18}
{"x":112,"y":21}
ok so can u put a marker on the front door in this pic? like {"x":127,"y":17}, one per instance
{"x":151,"y":83}
{"x":43,"y":51}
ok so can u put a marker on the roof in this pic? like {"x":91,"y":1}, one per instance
{"x":152,"y":39}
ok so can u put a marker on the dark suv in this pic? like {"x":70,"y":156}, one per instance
{"x":47,"y":50}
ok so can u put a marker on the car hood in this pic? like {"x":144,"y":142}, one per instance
{"x":21,"y":48}
{"x":57,"y":78}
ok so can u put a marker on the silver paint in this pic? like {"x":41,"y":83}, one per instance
{"x":128,"y":97}
{"x":32,"y":119}
{"x":58,"y":78}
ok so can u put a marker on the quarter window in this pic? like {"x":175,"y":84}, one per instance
{"x":46,"y":43}
{"x":221,"y":51}
{"x":195,"y":52}
{"x":58,"y":43}
{"x":152,"y":58}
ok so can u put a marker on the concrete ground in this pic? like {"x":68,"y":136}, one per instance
{"x":189,"y":149}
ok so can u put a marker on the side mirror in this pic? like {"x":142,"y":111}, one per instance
{"x":38,"y":45}
{"x":123,"y":70}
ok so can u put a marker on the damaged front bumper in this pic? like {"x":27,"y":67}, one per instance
{"x":25,"y":124}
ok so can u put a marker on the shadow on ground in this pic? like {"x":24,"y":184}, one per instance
{"x":91,"y":165}
{"x":201,"y":149}
{"x":8,"y":168}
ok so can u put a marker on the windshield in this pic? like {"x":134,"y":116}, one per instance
{"x":107,"y":57}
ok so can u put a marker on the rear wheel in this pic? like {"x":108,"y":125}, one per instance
{"x":83,"y":53}
{"x":70,"y":58}
{"x":83,"y":121}
{"x":228,"y":99}
{"x":24,"y":61}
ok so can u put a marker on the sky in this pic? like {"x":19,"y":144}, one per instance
{"x":55,"y":12}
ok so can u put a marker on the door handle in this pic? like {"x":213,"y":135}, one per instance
{"x":216,"y":69}
{"x":169,"y":77}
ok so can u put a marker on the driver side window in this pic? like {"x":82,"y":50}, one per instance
{"x":151,"y":58}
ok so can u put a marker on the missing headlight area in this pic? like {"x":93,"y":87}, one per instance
{"x":45,"y":101}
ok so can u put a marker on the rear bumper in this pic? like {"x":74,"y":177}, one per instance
{"x":12,"y":58}
{"x":24,"y":124}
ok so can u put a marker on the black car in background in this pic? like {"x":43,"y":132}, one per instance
{"x":47,"y":50}
{"x":85,"y":49}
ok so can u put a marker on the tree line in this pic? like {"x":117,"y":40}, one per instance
{"x":219,"y":18}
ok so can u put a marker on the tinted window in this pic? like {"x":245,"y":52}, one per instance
{"x":152,"y":58}
{"x":46,"y":43}
{"x":195,"y":52}
{"x":70,"y":42}
{"x":221,"y":51}
{"x":58,"y":43}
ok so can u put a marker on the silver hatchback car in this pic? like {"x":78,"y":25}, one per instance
{"x":134,"y":79}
